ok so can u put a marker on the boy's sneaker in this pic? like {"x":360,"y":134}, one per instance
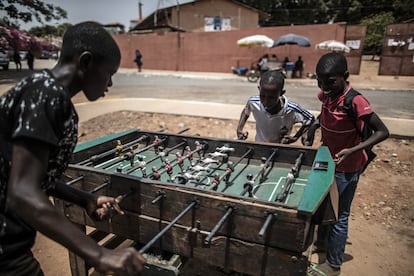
{"x":323,"y":270}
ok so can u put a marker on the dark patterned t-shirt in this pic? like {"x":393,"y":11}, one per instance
{"x":37,"y":108}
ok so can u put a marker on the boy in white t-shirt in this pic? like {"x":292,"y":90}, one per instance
{"x":274,"y":113}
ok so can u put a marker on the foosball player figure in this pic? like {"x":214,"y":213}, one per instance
{"x":131,"y":156}
{"x":119,"y":169}
{"x":209,"y":160}
{"x":168,"y":167}
{"x":118,"y":148}
{"x":199,"y":168}
{"x":248,"y":186}
{"x":142,"y":165}
{"x":199,"y":149}
{"x":189,"y":153}
{"x":262,"y":169}
{"x":180,"y":160}
{"x":161,"y":153}
{"x":156,"y":175}
{"x":218,"y":154}
{"x":225,"y":148}
{"x":156,"y":143}
{"x":229,"y":171}
{"x":216,"y":181}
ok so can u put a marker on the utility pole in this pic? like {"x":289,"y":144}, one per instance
{"x":178,"y":36}
{"x":178,"y":25}
{"x":140,"y":10}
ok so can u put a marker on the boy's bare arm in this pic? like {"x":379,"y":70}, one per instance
{"x":97,"y":207}
{"x":380,"y":134}
{"x":27,"y":199}
{"x":242,"y":121}
{"x":309,"y":136}
{"x":303,"y":128}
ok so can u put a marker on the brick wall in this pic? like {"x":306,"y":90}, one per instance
{"x":218,"y":51}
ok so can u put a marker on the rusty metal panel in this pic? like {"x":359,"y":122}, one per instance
{"x":389,"y":65}
{"x":398,"y":50}
{"x":355,"y":33}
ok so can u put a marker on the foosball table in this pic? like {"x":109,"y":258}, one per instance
{"x":237,"y":206}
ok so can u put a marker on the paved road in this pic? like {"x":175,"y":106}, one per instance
{"x":394,"y":104}
{"x":223,"y":88}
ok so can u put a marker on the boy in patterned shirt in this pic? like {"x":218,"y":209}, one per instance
{"x":274,"y":113}
{"x":38,"y":133}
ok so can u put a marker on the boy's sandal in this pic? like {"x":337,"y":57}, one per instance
{"x":313,"y":270}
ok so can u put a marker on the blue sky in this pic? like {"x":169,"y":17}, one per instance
{"x":105,"y":11}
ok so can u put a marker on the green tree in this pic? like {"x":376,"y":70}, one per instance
{"x":47,"y":30}
{"x":27,"y":11}
{"x":375,"y":28}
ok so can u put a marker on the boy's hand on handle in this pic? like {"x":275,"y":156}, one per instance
{"x":288,"y":140}
{"x":307,"y":139}
{"x":126,"y":261}
{"x":242,"y":135}
{"x":104,"y":206}
{"x":342,"y":155}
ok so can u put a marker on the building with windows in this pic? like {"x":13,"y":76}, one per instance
{"x":200,"y":16}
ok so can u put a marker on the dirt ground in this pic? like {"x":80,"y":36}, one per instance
{"x":381,"y":235}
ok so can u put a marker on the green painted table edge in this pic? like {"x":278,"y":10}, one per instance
{"x":319,"y":183}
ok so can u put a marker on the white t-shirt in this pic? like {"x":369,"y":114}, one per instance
{"x":268,"y":126}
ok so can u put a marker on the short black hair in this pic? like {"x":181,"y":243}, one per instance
{"x":332,"y":63}
{"x":273,"y":77}
{"x":92,"y":37}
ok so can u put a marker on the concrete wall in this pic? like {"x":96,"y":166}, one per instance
{"x":218,"y":51}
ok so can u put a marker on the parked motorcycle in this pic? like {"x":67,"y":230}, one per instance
{"x":253,"y":75}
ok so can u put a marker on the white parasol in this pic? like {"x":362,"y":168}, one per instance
{"x":255,"y":40}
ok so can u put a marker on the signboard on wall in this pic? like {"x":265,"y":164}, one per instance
{"x":217,"y":23}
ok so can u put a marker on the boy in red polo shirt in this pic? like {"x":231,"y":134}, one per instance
{"x":340,"y":134}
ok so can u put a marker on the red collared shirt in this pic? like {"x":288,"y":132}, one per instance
{"x":339,"y":129}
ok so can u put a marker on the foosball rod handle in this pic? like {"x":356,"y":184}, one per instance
{"x":73,"y":181}
{"x":266,"y":224}
{"x":217,"y":227}
{"x":166,"y":228}
{"x":160,"y":195}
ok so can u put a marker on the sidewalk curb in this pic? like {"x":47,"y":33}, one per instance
{"x":399,"y":128}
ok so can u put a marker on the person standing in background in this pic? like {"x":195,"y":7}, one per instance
{"x":138,"y":59}
{"x":17,"y":60}
{"x":298,"y":68}
{"x":30,"y":60}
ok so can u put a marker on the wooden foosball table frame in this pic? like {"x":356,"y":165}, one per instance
{"x":172,"y":223}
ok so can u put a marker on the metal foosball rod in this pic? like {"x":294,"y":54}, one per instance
{"x":290,"y":179}
{"x":266,"y":224}
{"x":94,"y":190}
{"x":100,"y":187}
{"x":160,"y":195}
{"x":217,"y":227}
{"x":155,"y":144}
{"x":230,"y":169}
{"x":175,"y":162}
{"x":93,"y":158}
{"x":73,"y":181}
{"x":134,"y":168}
{"x":264,"y":166}
{"x":168,"y":227}
{"x":181,"y":144}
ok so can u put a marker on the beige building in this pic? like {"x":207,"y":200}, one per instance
{"x":200,"y":16}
